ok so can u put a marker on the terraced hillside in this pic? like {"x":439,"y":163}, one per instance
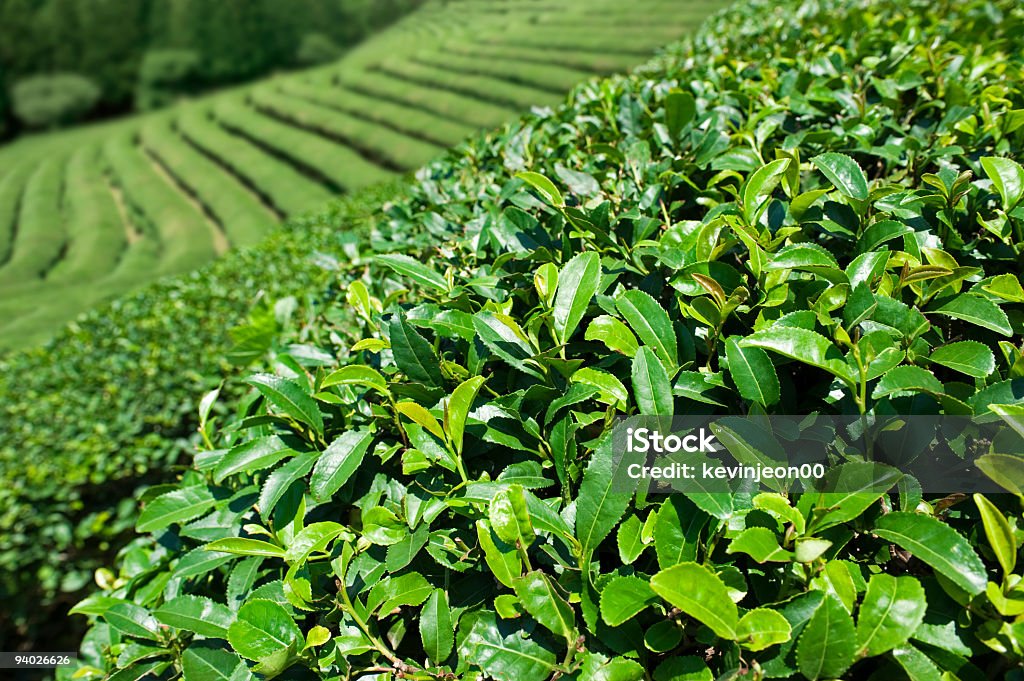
{"x":93,"y":212}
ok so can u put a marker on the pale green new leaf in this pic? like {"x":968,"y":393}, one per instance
{"x":545,"y":604}
{"x":510,"y":517}
{"x":623,"y":597}
{"x":195,"y":613}
{"x":701,"y":594}
{"x":614,"y":334}
{"x":544,"y":187}
{"x":1008,"y":177}
{"x":338,"y":462}
{"x":243,"y":546}
{"x":761,"y":544}
{"x":578,"y":282}
{"x":999,"y":533}
{"x":762,"y":628}
{"x":937,"y":544}
{"x":892,"y":610}
{"x":458,"y":407}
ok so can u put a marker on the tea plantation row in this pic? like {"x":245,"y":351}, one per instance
{"x":809,"y":207}
{"x":93,"y":212}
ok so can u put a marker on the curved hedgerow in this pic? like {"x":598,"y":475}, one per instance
{"x":807,"y":208}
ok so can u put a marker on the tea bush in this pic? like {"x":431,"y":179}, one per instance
{"x":807,"y":208}
{"x":119,"y":389}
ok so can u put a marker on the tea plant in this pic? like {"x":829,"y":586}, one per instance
{"x":807,"y":208}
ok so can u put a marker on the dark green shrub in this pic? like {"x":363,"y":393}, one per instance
{"x":53,"y":100}
{"x":804,"y":209}
{"x":166,"y":75}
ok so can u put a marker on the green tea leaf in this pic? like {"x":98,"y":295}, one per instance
{"x":252,"y":456}
{"x":804,"y":346}
{"x":1008,"y":177}
{"x":382,"y":527}
{"x":753,"y":373}
{"x":623,"y":597}
{"x":680,"y":110}
{"x":505,"y":340}
{"x":999,"y":533}
{"x":504,"y":653}
{"x":413,"y":354}
{"x":909,"y":379}
{"x":762,"y":628}
{"x":677,"y":531}
{"x":502,"y":559}
{"x":651,"y":323}
{"x":437,"y":630}
{"x":893,"y":608}
{"x":133,"y":620}
{"x":760,"y":185}
{"x":761,"y":544}
{"x":196,"y":614}
{"x":701,"y":594}
{"x":414,"y":269}
{"x":457,"y":409}
{"x":938,"y":545}
{"x":510,"y":517}
{"x":598,"y":506}
{"x":651,"y":386}
{"x":359,"y":375}
{"x":803,"y":257}
{"x":312,"y":538}
{"x":410,"y":589}
{"x":828,"y":643}
{"x":281,"y":479}
{"x":844,"y":173}
{"x":338,"y":462}
{"x":264,"y":629}
{"x":977,"y":310}
{"x":545,"y":604}
{"x":200,"y":662}
{"x":175,"y":507}
{"x":242,"y":546}
{"x":545,"y":187}
{"x":968,"y":357}
{"x":289,"y":397}
{"x":578,"y":282}
{"x":916,"y":665}
{"x":614,"y":334}
{"x":880,"y":232}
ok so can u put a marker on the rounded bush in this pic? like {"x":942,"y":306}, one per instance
{"x":47,"y":101}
